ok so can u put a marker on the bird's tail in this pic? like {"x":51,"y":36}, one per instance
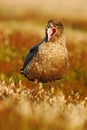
{"x":22,"y":71}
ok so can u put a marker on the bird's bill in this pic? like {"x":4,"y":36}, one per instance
{"x":51,"y":32}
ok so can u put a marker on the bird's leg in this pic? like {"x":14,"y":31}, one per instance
{"x":35,"y":88}
{"x":36,"y":85}
{"x":51,"y":87}
{"x":40,"y":85}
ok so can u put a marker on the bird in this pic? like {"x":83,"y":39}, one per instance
{"x":48,"y":60}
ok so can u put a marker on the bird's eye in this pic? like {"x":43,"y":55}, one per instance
{"x":51,"y":25}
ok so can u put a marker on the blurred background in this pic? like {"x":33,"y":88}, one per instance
{"x":22,"y":24}
{"x":21,"y":8}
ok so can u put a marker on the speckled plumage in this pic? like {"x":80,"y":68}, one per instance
{"x":50,"y":61}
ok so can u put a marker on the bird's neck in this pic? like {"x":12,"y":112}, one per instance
{"x":58,"y":38}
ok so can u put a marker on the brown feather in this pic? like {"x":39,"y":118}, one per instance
{"x":51,"y":62}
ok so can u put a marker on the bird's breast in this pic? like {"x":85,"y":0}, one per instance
{"x":52,"y":52}
{"x":50,"y":62}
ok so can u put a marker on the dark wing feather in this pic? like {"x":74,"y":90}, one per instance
{"x":30,"y":55}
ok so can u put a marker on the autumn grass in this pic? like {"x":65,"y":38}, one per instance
{"x":24,"y":105}
{"x":22,"y":108}
{"x":16,"y":37}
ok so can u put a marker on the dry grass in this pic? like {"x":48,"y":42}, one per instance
{"x":16,"y":37}
{"x":22,"y":108}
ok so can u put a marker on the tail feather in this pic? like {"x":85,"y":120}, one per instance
{"x":22,"y":71}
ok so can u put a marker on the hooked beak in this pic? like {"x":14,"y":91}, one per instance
{"x":50,"y":31}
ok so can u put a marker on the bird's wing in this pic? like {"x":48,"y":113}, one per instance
{"x":30,"y":55}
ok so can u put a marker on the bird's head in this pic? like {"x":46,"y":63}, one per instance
{"x":54,"y":29}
